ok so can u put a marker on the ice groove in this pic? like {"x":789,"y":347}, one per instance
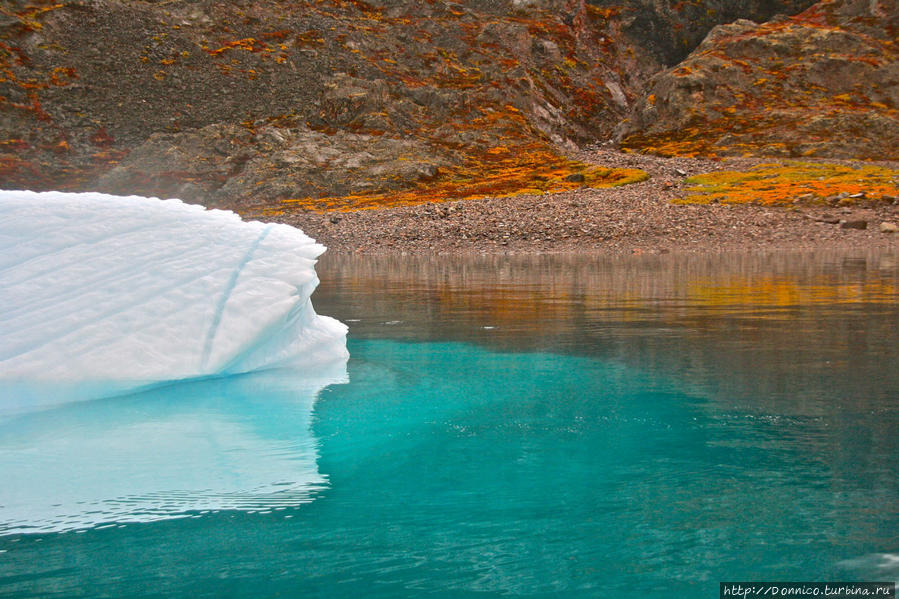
{"x":226,"y":293}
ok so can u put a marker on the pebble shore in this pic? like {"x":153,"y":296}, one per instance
{"x":636,"y":218}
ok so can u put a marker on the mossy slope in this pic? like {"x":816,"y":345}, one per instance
{"x":790,"y":182}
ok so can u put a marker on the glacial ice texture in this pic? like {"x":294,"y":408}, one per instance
{"x":108,"y":293}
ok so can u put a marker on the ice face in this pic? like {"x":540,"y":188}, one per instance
{"x":106,"y":292}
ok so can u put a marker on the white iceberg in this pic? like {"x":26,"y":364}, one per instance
{"x":108,"y":293}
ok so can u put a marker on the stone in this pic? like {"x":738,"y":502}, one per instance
{"x":854,"y":224}
{"x":618,"y":95}
{"x":548,"y":49}
{"x":888,"y":227}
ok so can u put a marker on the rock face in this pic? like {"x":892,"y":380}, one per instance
{"x":671,"y":29}
{"x":274,"y":162}
{"x":345,"y":103}
{"x":254,"y":102}
{"x":822,"y":83}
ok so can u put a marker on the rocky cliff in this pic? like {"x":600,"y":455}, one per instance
{"x":823,"y":83}
{"x":345,"y":104}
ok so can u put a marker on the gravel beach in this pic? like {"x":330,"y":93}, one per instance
{"x":633,"y":219}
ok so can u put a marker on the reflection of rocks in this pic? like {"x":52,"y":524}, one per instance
{"x":663,"y":314}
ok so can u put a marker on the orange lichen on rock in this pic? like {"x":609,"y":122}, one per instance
{"x":28,"y":18}
{"x":502,"y":174}
{"x":816,"y":84}
{"x":247,"y":44}
{"x":786,"y":183}
{"x":494,"y":155}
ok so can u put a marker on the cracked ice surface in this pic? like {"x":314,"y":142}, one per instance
{"x":112,"y":293}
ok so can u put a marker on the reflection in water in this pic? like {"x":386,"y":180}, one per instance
{"x":802,"y":348}
{"x":650,"y":427}
{"x":232,"y":443}
{"x":512,"y":289}
{"x":757,"y":331}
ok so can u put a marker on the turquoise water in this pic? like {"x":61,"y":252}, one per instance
{"x":539,"y":428}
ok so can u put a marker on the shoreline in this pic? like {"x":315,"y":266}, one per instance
{"x":631,"y":219}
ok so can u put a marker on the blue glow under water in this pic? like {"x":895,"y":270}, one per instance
{"x":513,"y":438}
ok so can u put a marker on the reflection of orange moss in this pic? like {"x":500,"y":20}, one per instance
{"x":507,"y":305}
{"x":784,"y":292}
{"x":783,"y":183}
{"x":694,"y":297}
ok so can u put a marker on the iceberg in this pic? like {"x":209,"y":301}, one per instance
{"x":100,"y":294}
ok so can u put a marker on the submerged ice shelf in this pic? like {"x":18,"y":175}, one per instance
{"x":107,"y":293}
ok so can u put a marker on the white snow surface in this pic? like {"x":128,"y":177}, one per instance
{"x":105,"y":290}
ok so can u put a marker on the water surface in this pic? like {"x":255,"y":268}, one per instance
{"x":512,"y":426}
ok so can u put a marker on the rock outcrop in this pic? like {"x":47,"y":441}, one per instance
{"x":345,"y":104}
{"x":824,"y":83}
{"x":256,"y":102}
{"x":670,"y":29}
